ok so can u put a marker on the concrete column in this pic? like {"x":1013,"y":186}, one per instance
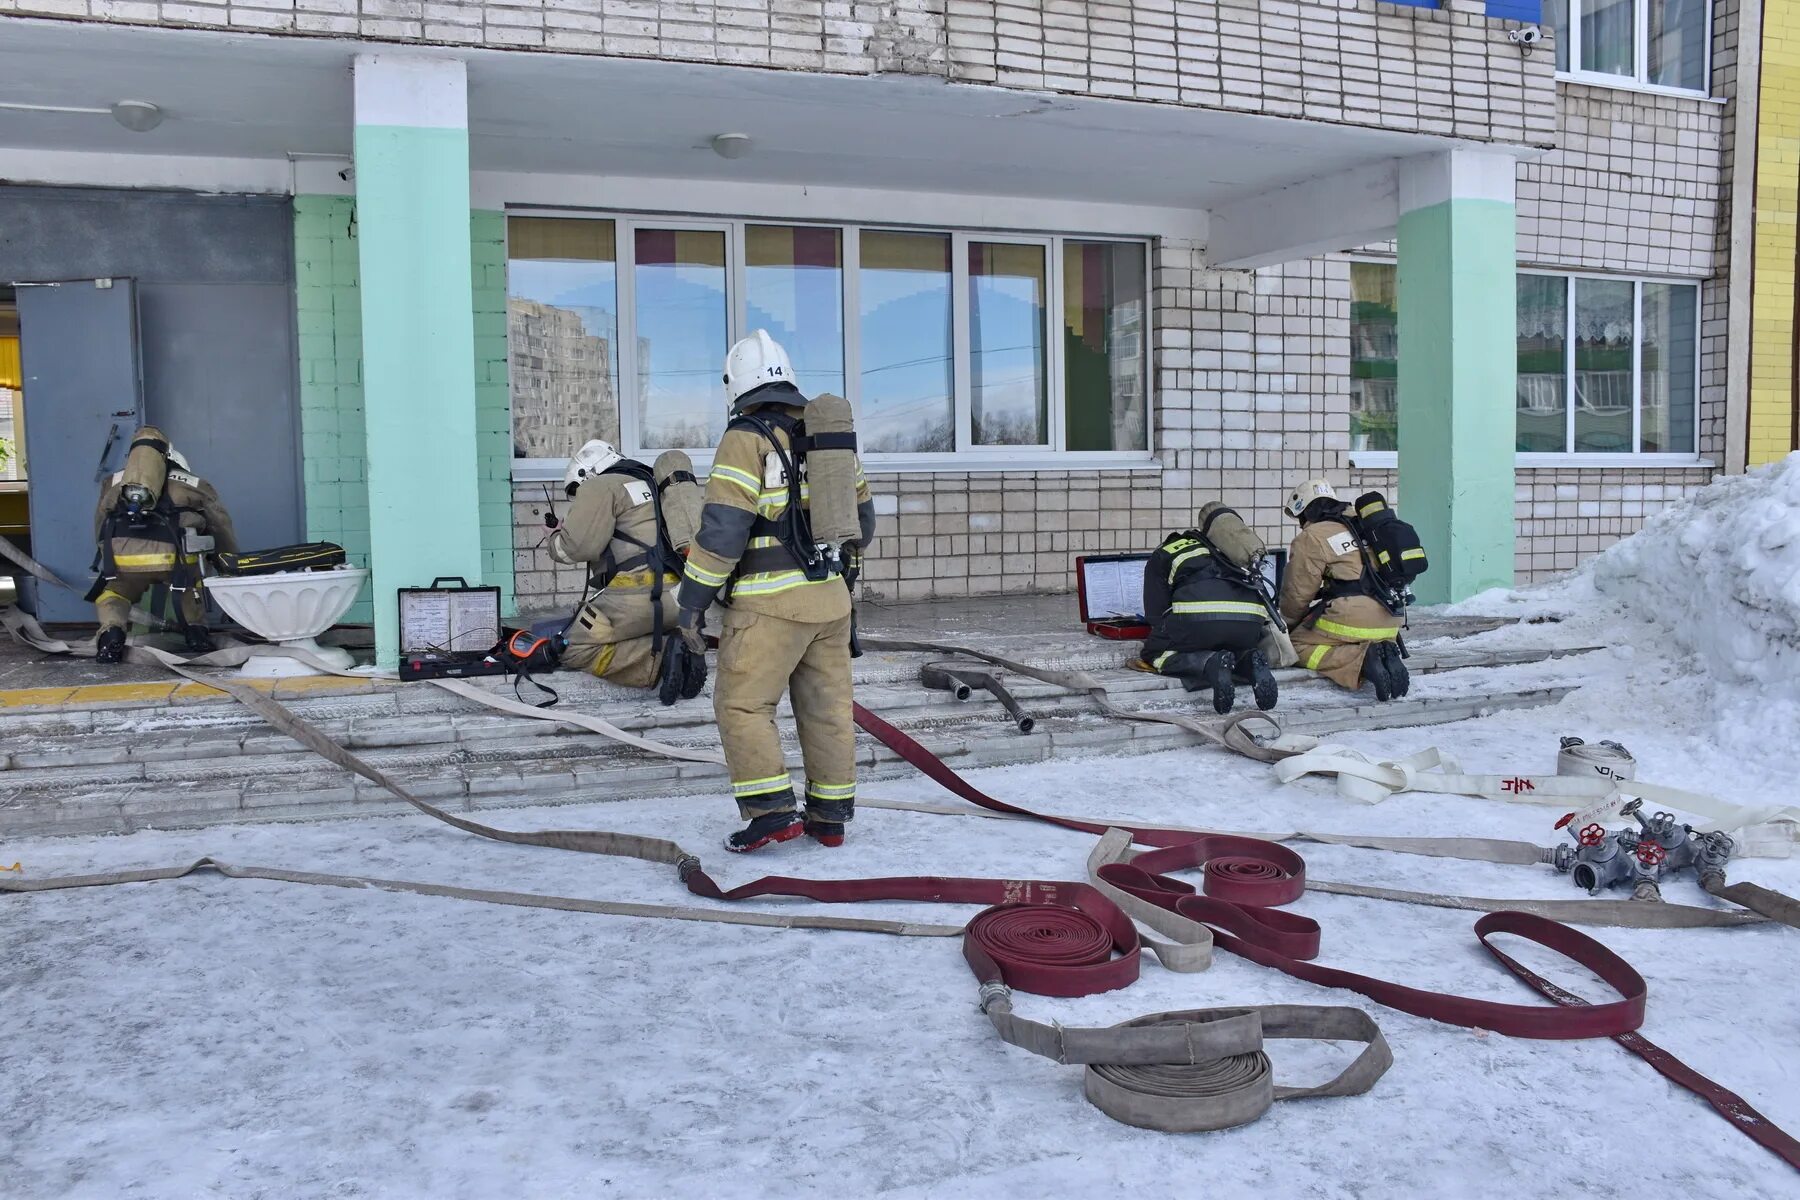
{"x":418,"y":352}
{"x":1458,"y":367}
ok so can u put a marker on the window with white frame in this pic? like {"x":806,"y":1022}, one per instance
{"x":1661,"y":43}
{"x":1606,"y":365}
{"x":945,"y":342}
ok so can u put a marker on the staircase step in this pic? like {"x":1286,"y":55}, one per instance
{"x":99,"y":799}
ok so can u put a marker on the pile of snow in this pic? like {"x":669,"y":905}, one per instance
{"x":1721,"y":573}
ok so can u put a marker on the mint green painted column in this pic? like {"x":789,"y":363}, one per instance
{"x":1458,"y":367}
{"x":418,"y":332}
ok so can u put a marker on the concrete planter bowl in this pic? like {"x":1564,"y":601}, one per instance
{"x":291,"y":608}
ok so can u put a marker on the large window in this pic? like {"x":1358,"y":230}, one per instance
{"x":1606,"y":366}
{"x":943,"y":341}
{"x":904,"y":325}
{"x":562,"y":315}
{"x":1664,"y":43}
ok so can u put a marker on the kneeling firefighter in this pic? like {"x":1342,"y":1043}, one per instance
{"x":630,"y":524}
{"x":154,"y":521}
{"x":1345,"y":624}
{"x":1211,"y":622}
{"x":787,"y":514}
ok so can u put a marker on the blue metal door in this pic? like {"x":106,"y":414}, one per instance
{"x":78,"y":343}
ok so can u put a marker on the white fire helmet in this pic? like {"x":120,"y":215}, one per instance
{"x":1306,"y":493}
{"x":591,"y":459}
{"x":755,"y":361}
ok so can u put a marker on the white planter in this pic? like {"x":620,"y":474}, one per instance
{"x":291,"y":608}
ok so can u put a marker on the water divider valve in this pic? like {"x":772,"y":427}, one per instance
{"x":1603,"y":858}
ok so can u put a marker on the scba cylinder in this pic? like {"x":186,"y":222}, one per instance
{"x":831,"y":471}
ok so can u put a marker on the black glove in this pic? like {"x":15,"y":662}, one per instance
{"x":550,"y":518}
{"x":683,"y":669}
{"x":689,"y":626}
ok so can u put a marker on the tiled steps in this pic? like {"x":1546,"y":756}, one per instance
{"x":117,"y":769}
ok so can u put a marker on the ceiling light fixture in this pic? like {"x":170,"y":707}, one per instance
{"x":139,"y":116}
{"x":731,"y":145}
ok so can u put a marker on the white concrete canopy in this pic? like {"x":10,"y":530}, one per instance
{"x":240,"y":108}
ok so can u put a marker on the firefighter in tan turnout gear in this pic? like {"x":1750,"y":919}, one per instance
{"x":1340,"y":629}
{"x":787,"y":513}
{"x":154,"y":520}
{"x":630,"y":524}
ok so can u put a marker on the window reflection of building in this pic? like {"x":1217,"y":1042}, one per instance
{"x":641,"y":349}
{"x":562,"y":391}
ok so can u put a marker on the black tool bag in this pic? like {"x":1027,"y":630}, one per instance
{"x":1393,"y":545}
{"x":307,"y":556}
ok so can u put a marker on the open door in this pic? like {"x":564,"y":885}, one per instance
{"x":80,"y":358}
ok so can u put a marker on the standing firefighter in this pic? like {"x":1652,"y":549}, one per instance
{"x":787,"y":513}
{"x":1210,"y":624}
{"x":154,"y":520}
{"x":630,"y":524}
{"x":1330,"y":598}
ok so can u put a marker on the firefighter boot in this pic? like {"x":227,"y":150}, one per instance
{"x":109,"y":647}
{"x":765,"y":830}
{"x":1377,"y":671}
{"x":1253,"y":668}
{"x":825,"y":820}
{"x":1397,"y":668}
{"x":199,"y":640}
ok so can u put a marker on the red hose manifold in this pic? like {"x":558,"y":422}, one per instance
{"x":1652,"y":854}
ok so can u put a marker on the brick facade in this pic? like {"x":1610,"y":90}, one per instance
{"x":1355,"y":62}
{"x":1251,"y":369}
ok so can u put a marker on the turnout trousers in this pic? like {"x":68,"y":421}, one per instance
{"x":1337,"y":642}
{"x":112,"y":607}
{"x":613,"y":634}
{"x":760,"y":657}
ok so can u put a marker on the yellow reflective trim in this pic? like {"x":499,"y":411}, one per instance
{"x":1162,"y":658}
{"x":1374,"y":506}
{"x":109,"y":594}
{"x":750,"y":787}
{"x":1219,"y":606}
{"x":638,"y":579}
{"x":1316,"y":657}
{"x":1196,"y":552}
{"x":144,"y":560}
{"x":604,"y":660}
{"x":831,"y":791}
{"x":700,"y":574}
{"x":1355,"y":632}
{"x":1415,"y":552}
{"x":760,"y":543}
{"x":768,"y":583}
{"x":743,"y":479}
{"x":1383,"y":557}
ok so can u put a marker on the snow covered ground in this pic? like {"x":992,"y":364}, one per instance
{"x":211,"y":1037}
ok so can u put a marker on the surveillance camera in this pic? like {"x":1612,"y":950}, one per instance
{"x":1530,"y":35}
{"x":347,"y":174}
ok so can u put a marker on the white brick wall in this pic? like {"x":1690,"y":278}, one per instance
{"x":1358,"y":62}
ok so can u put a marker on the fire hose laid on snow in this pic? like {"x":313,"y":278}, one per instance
{"x":1064,"y":938}
{"x":1174,"y":1071}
